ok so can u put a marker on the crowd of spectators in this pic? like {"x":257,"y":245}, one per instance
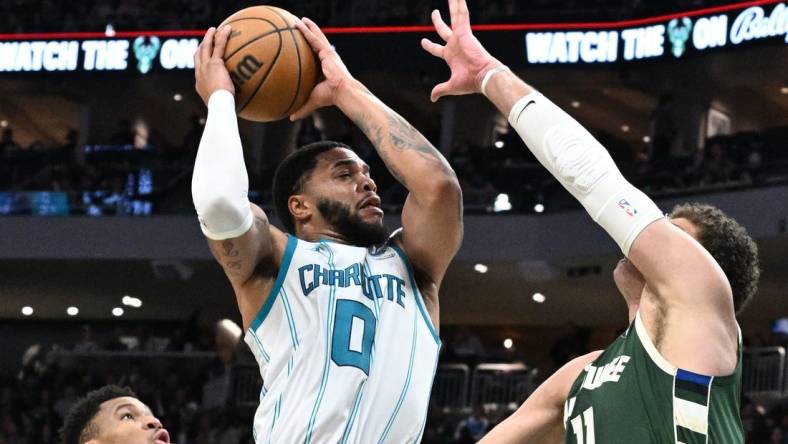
{"x":19,"y":16}
{"x":121,"y":178}
{"x":176,"y":375}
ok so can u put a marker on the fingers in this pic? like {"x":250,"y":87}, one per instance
{"x":313,"y":35}
{"x":439,"y":91}
{"x":305,"y":110}
{"x":459,"y":13}
{"x":440,"y":26}
{"x":432,"y":48}
{"x":462,"y":8}
{"x":316,"y":30}
{"x":221,"y":42}
{"x":206,"y":47}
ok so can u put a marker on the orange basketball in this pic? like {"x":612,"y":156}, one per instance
{"x":271,"y":64}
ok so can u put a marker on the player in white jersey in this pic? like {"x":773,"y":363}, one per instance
{"x":341,"y":317}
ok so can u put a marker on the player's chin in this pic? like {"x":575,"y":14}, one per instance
{"x":372,"y":215}
{"x":628,"y":278}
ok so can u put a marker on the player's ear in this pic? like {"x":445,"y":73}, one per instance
{"x":300,"y":207}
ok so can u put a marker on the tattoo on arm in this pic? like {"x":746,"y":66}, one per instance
{"x":229,"y":255}
{"x":397,"y":135}
{"x":236,"y":259}
{"x":229,"y":249}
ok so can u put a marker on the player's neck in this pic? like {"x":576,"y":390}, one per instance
{"x":633,"y":311}
{"x":633,"y":305}
{"x":320,"y":234}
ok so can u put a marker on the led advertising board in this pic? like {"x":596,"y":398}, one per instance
{"x":672,"y":37}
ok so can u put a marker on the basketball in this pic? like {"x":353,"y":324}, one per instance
{"x":270,"y":62}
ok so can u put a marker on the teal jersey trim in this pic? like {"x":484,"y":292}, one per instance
{"x":327,"y":362}
{"x":353,"y":413}
{"x":260,"y":347}
{"x":276,"y":416}
{"x":292,"y":241}
{"x":417,"y":292}
{"x":377,"y":313}
{"x":407,"y":384}
{"x":290,"y":319}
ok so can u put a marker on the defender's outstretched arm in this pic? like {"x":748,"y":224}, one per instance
{"x":684,"y":278}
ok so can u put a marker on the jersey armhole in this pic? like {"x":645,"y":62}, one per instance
{"x":651,"y":350}
{"x":284,"y":266}
{"x":414,"y":285}
{"x":670,"y":369}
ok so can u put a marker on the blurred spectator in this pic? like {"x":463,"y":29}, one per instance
{"x":572,"y":343}
{"x":473,"y":427}
{"x":308,"y":132}
{"x":86,"y":342}
{"x":664,"y":131}
{"x":777,"y":436}
{"x":63,"y":405}
{"x":7,"y":143}
{"x":466,"y":347}
{"x":123,"y":134}
{"x":717,"y":168}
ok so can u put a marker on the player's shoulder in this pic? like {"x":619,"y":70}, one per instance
{"x":576,"y":366}
{"x":566,"y":375}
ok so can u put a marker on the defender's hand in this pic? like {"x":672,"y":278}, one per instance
{"x":209,"y":71}
{"x":335,"y":72}
{"x":465,"y":55}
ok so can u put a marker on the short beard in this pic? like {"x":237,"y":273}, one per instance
{"x":350,"y":226}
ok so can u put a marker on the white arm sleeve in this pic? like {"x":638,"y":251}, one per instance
{"x":584,"y":168}
{"x":220,"y":183}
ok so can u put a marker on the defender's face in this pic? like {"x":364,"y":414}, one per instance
{"x":629,"y":280}
{"x":127,"y":420}
{"x":342,"y":177}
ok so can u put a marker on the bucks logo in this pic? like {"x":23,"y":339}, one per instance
{"x":679,"y":32}
{"x":146,"y":52}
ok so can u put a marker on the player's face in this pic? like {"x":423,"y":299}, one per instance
{"x":629,"y":280}
{"x":347,"y":198}
{"x":127,"y":420}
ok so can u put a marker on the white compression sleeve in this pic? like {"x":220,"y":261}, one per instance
{"x":220,"y":183}
{"x":584,"y":168}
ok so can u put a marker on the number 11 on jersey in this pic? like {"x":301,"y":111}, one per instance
{"x":583,"y":427}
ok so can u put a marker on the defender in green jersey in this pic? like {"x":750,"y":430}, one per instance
{"x":675,"y":375}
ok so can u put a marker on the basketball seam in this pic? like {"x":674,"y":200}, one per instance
{"x":256,"y":37}
{"x":265,"y":76}
{"x":298,"y":57}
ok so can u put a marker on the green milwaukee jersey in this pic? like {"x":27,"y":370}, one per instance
{"x":632,"y":395}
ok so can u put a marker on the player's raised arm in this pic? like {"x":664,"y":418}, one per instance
{"x":680,"y":274}
{"x":540,"y":419}
{"x":238,"y":231}
{"x":432,"y":215}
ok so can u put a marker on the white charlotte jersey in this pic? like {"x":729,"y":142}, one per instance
{"x":346,"y":349}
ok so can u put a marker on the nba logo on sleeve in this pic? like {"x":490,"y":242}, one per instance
{"x":627,"y":207}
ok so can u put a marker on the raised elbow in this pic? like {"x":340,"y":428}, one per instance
{"x":445,"y":184}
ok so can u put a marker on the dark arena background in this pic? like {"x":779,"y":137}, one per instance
{"x":106,"y":278}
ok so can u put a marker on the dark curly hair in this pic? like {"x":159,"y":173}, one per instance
{"x":293,"y":172}
{"x":78,"y":427}
{"x":729,"y":244}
